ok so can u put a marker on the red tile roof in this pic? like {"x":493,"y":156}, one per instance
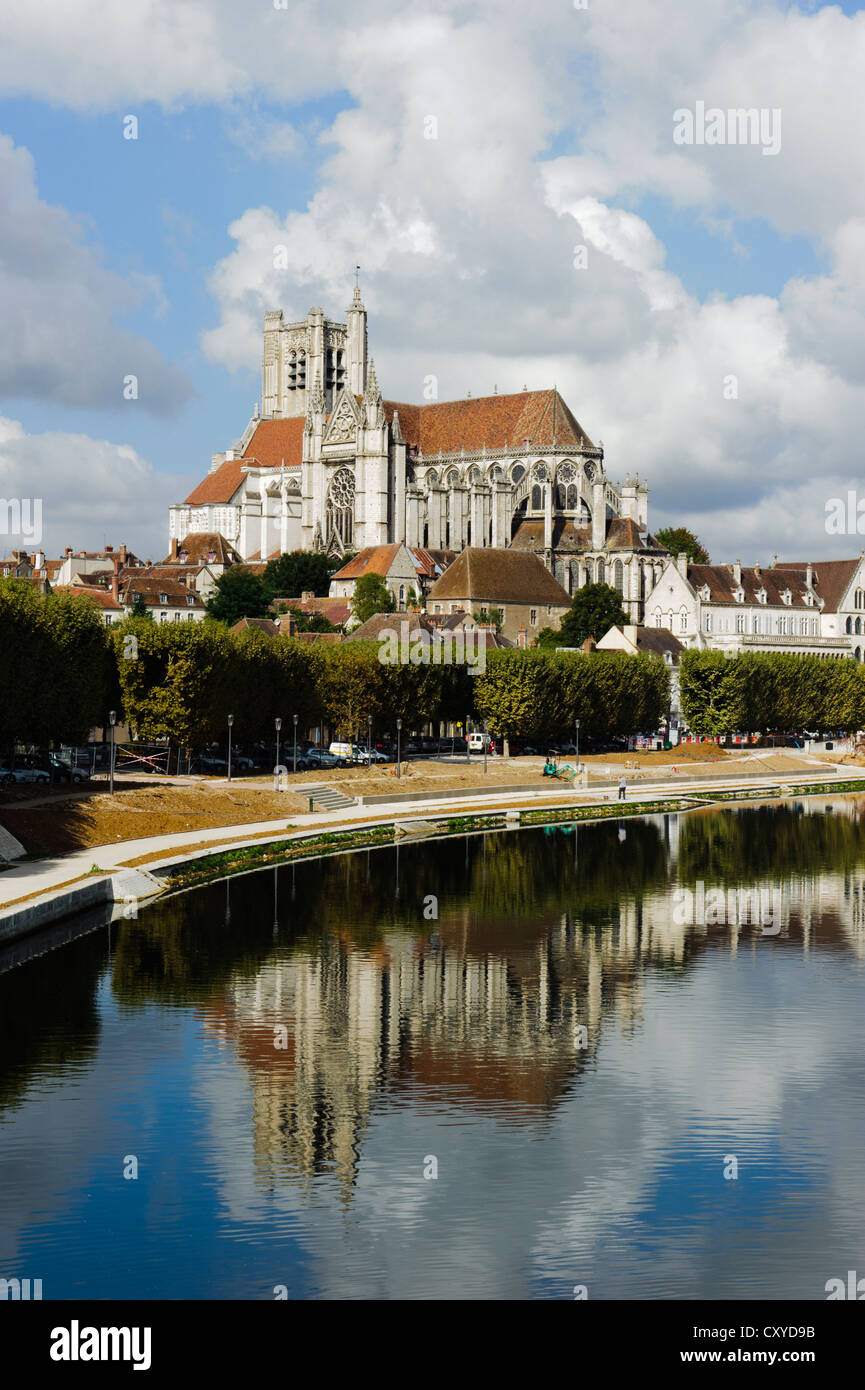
{"x":274,"y":442}
{"x":497,"y":421}
{"x":830,"y":580}
{"x":373,"y":559}
{"x":488,"y":575}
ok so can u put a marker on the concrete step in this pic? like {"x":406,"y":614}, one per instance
{"x":329,"y":797}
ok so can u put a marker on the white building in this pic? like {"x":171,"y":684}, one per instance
{"x":811,"y":608}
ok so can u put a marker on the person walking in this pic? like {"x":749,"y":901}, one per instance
{"x":623,"y":787}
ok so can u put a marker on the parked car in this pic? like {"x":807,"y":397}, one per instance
{"x":11,"y":776}
{"x":320,"y":757}
{"x":62,"y":772}
{"x":370,"y":755}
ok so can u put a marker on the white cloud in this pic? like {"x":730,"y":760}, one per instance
{"x":467,"y":240}
{"x":60,"y":342}
{"x":91,"y":491}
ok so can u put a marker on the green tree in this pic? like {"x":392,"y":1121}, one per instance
{"x":311,"y":622}
{"x":371,"y":596}
{"x":680,"y":541}
{"x":299,"y":572}
{"x":239,"y":593}
{"x":594,"y":610}
{"x":139,"y":609}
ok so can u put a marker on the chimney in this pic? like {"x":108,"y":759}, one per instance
{"x":809,"y":576}
{"x":682,"y":564}
{"x":115,"y":585}
{"x":307,"y":595}
{"x":123,"y":552}
{"x":757,"y":571}
{"x":68,"y":551}
{"x":737,"y":572}
{"x":109,"y":550}
{"x":39,"y":559}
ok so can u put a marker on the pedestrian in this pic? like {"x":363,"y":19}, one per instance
{"x":623,"y":786}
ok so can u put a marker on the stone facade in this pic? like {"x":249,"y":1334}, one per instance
{"x":331,"y":465}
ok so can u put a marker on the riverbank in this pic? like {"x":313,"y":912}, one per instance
{"x":36,"y":892}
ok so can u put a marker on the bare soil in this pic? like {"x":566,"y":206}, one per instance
{"x":58,"y":820}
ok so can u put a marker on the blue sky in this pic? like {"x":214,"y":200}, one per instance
{"x":152,"y":255}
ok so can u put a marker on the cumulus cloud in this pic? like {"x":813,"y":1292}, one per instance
{"x":444,"y":179}
{"x":90,"y":491}
{"x":60,"y":341}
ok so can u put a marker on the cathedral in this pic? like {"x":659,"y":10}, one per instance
{"x":329,"y":464}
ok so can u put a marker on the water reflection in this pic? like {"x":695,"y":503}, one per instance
{"x":341,"y":1036}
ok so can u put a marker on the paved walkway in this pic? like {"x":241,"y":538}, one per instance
{"x":46,"y":876}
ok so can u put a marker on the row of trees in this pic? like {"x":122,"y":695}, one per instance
{"x":761,"y":691}
{"x":63,"y":670}
{"x":56,"y":669}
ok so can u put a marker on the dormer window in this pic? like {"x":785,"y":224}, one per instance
{"x":739,"y":594}
{"x":761,"y":595}
{"x":705,"y":594}
{"x":787,"y":597}
{"x":190,"y":599}
{"x":163,"y":598}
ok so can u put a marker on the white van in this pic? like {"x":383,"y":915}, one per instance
{"x":478,"y":742}
{"x":343,"y":751}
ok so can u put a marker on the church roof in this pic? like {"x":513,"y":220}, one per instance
{"x":491,"y":575}
{"x":273,"y":442}
{"x":541,"y":417}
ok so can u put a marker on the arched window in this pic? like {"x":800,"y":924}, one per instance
{"x":340,"y":511}
{"x":517,"y":473}
{"x":857,"y":626}
{"x":619,"y":578}
{"x":537,"y":498}
{"x":858,"y":654}
{"x":849,"y":625}
{"x":602,"y":572}
{"x":683,"y":620}
{"x":659,"y":618}
{"x":590,"y":572}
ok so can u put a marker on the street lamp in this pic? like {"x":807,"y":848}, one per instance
{"x":468,"y":759}
{"x":112,"y":720}
{"x":230,"y":722}
{"x":294,"y":722}
{"x":485,"y":754}
{"x":369,"y":739}
{"x":278,"y":725}
{"x":398,"y":731}
{"x":577,"y":729}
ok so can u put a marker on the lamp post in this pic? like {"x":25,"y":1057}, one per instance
{"x":294,"y":722}
{"x":577,"y":730}
{"x":468,"y":758}
{"x":277,"y":725}
{"x":398,"y":732}
{"x":230,"y":722}
{"x":369,"y":739}
{"x":112,"y":720}
{"x":485,"y":755}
